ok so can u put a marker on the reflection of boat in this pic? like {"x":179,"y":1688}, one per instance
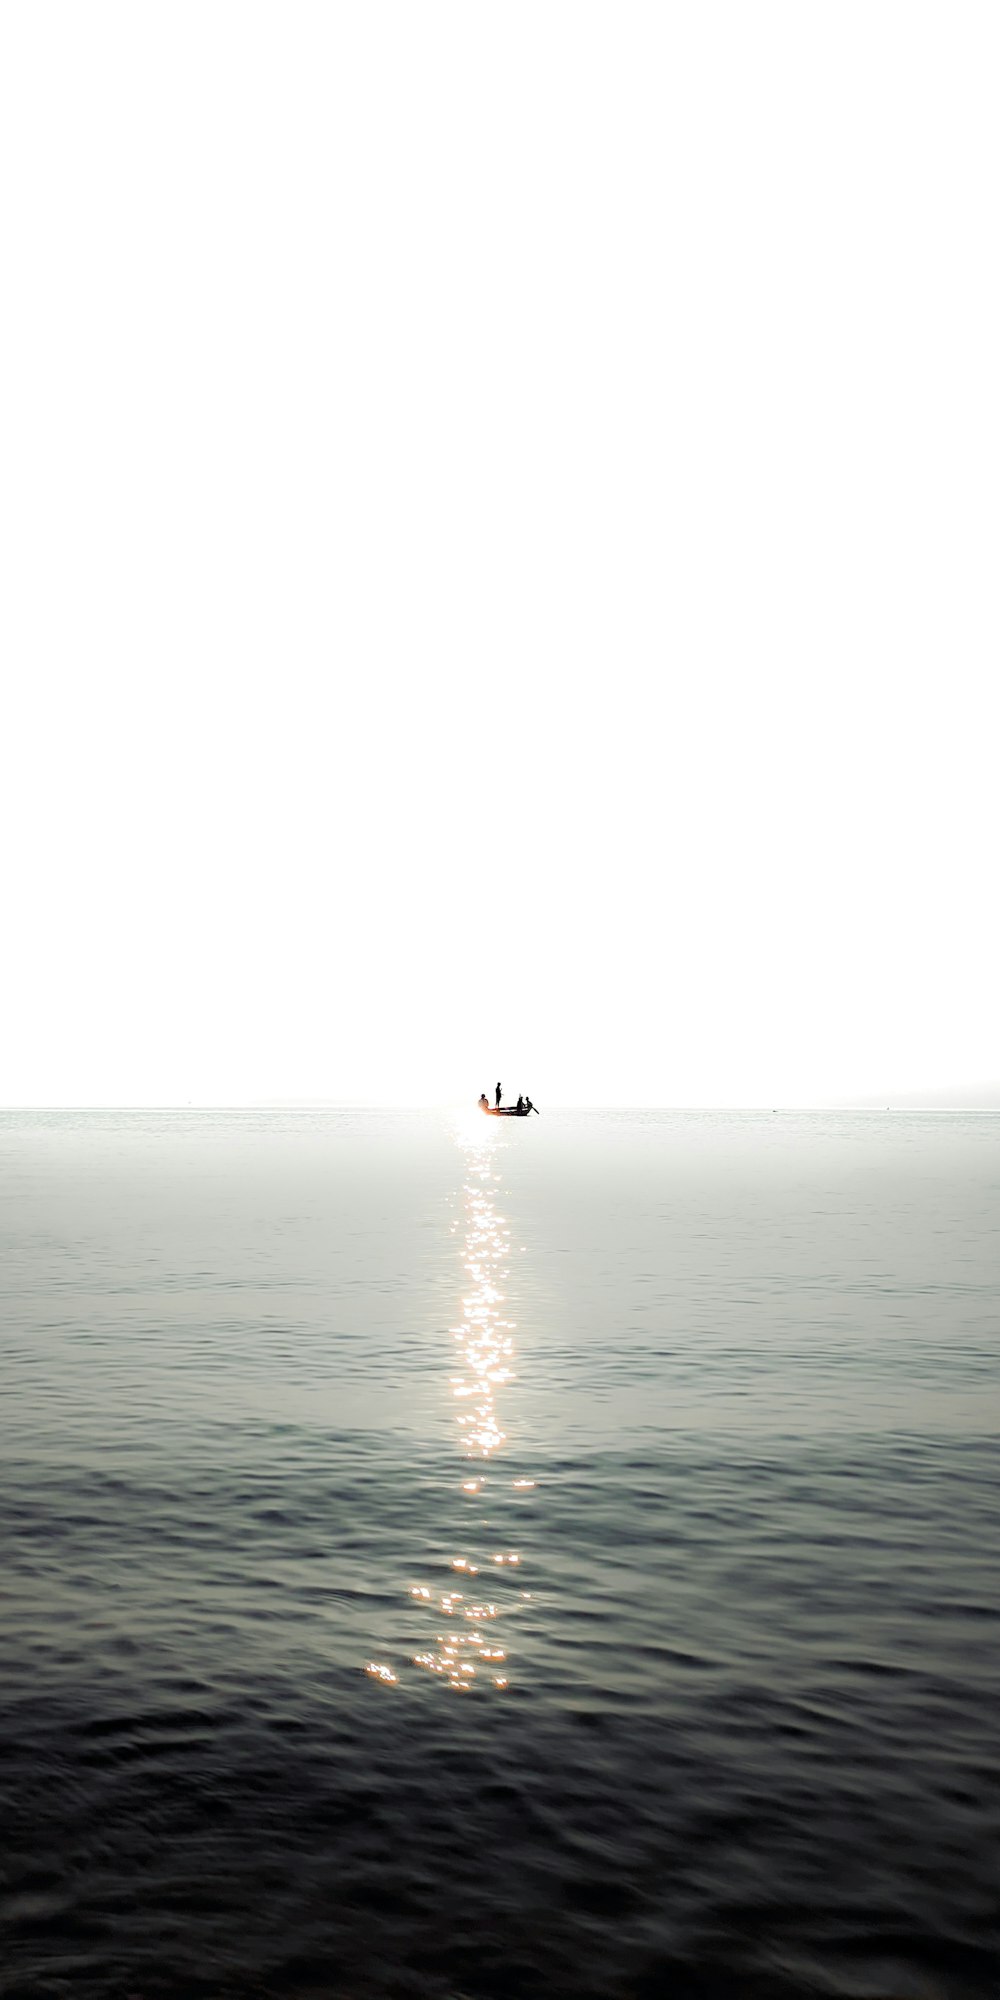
{"x":504,"y":1111}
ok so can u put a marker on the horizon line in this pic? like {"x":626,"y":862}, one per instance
{"x":908,"y":1103}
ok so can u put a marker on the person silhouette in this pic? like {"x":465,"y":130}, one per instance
{"x":498,"y":1097}
{"x":520,"y":1101}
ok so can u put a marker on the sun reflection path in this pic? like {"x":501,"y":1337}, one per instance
{"x":468,"y":1653}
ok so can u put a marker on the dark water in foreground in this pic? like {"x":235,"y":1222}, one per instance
{"x":284,"y":1398}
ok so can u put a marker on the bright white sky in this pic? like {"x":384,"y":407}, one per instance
{"x":500,"y":522}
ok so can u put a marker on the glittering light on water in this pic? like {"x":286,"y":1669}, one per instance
{"x":483,"y":1359}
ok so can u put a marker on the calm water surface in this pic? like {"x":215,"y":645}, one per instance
{"x":445,"y":1558}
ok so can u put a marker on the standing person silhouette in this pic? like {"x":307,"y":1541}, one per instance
{"x":498,"y":1097}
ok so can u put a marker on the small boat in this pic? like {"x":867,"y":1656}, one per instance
{"x":508,"y":1110}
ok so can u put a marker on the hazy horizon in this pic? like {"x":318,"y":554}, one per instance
{"x":985,"y":1098}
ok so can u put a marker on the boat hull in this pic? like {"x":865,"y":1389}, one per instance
{"x":503,"y":1111}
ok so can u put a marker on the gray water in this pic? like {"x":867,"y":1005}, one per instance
{"x":459,"y":1559}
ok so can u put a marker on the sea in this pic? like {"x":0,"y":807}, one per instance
{"x":447,"y":1558}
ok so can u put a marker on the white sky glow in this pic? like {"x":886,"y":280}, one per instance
{"x":500,"y":523}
